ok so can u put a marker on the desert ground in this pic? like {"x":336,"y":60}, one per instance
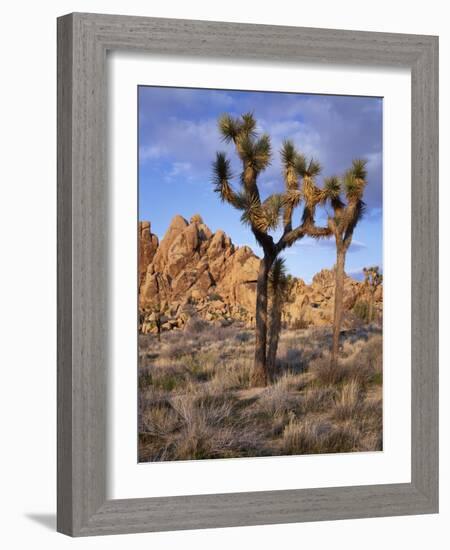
{"x":195,"y":399}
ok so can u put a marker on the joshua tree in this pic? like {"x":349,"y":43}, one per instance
{"x":254,"y":152}
{"x":278,"y":283}
{"x":158,"y":319}
{"x":345,"y":217}
{"x":372,"y":280}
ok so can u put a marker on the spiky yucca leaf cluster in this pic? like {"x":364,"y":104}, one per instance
{"x":255,"y":154}
{"x":272,"y":207}
{"x":332,"y":187}
{"x":292,"y":197}
{"x":229,"y":128}
{"x":359,"y":169}
{"x":221,"y":178}
{"x":297,"y":167}
{"x":253,"y":150}
{"x":289,"y":159}
{"x":355,"y":180}
{"x":278,"y":277}
{"x":264,"y":217}
{"x":346,"y":216}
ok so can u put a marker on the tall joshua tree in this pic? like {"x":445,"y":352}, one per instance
{"x":346,"y":215}
{"x":372,"y":280}
{"x":254,"y":152}
{"x":278,"y":283}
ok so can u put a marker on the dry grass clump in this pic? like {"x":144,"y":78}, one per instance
{"x":277,"y":399}
{"x":195,"y":399}
{"x":348,"y":401}
{"x":196,"y":425}
{"x":159,"y":421}
{"x":313,"y":437}
{"x":371,"y":424}
{"x":199,"y":408}
{"x":316,"y":399}
{"x":363,"y":362}
{"x":326,"y":375}
{"x":232,"y":375}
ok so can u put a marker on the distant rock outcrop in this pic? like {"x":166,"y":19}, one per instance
{"x":193,"y":272}
{"x":148,"y":245}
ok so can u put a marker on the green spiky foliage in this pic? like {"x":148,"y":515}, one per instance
{"x":312,"y":194}
{"x":278,"y":277}
{"x":300,"y":187}
{"x":346,"y":198}
{"x":279,"y":285}
{"x":263,"y":216}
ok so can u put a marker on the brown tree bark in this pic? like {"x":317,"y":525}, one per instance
{"x":260,"y":377}
{"x":274,"y":334}
{"x":338,"y":304}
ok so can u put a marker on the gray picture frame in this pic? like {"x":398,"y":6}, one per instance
{"x":83,"y":42}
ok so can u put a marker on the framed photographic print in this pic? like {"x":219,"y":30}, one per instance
{"x":247,"y":274}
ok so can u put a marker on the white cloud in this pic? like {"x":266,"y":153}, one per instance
{"x":309,"y":242}
{"x":151,"y":152}
{"x":180,"y":168}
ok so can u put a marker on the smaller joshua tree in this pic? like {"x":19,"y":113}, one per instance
{"x":279,"y":286}
{"x":157,"y":318}
{"x":372,"y":280}
{"x":346,"y":216}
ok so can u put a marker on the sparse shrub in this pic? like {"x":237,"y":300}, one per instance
{"x":313,"y":437}
{"x":340,"y":439}
{"x":302,"y":437}
{"x":215,"y":296}
{"x":325,"y":374}
{"x":291,"y":360}
{"x":159,"y":420}
{"x":378,"y":378}
{"x":234,"y":375}
{"x":167,"y":381}
{"x":177,"y":350}
{"x":144,"y":378}
{"x":277,"y":399}
{"x":195,"y":325}
{"x":165,"y":378}
{"x":361,"y":310}
{"x":365,"y":364}
{"x":198,"y":370}
{"x":372,"y":353}
{"x":348,"y":401}
{"x":371,"y":415}
{"x":316,"y":399}
{"x":202,"y":433}
{"x":243,"y":337}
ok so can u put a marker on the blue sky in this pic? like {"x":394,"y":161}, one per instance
{"x":178,"y":139}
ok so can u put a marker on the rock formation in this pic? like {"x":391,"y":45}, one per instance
{"x":193,"y":272}
{"x":148,"y":244}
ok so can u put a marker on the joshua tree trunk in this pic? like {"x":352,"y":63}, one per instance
{"x":259,"y":377}
{"x":338,"y":303}
{"x":274,"y":333}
